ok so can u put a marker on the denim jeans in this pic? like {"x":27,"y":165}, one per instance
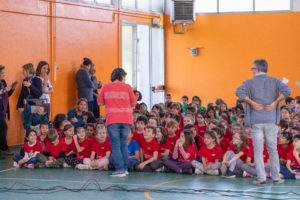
{"x":267,"y":132}
{"x":118,"y":139}
{"x":17,"y":158}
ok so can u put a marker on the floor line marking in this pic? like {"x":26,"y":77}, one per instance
{"x":5,"y":170}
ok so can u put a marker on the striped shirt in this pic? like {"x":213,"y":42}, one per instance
{"x":117,"y":98}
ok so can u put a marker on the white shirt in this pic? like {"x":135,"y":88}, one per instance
{"x":44,"y":95}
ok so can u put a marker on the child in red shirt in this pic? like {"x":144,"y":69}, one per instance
{"x":223,"y":142}
{"x":54,"y":153}
{"x":141,"y":123}
{"x":67,"y":139}
{"x":101,"y":151}
{"x":292,"y":168}
{"x":235,"y":155}
{"x":42,"y":138}
{"x":81,"y":148}
{"x":284,"y":146}
{"x":31,"y":149}
{"x":249,"y":166}
{"x":201,"y":123}
{"x":149,"y":150}
{"x":210,"y":154}
{"x":184,"y":153}
{"x":172,"y":137}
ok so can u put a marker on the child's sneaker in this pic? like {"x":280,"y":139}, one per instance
{"x":65,"y":165}
{"x":16,"y":165}
{"x":281,"y":176}
{"x":280,"y":181}
{"x":223,"y":169}
{"x":246,"y":174}
{"x":213,"y":172}
{"x":198,"y":171}
{"x":29,"y":166}
{"x":161,"y":169}
{"x":268,"y":174}
{"x":259,"y":183}
{"x":40,"y":165}
{"x":229,"y":174}
{"x":82,"y":166}
{"x":118,"y":173}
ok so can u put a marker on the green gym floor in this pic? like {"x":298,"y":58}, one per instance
{"x":51,"y":184}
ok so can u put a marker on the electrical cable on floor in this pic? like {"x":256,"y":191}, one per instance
{"x":94,"y":185}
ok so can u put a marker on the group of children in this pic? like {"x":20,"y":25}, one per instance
{"x":172,"y":137}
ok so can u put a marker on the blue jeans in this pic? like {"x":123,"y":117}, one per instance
{"x":118,"y":139}
{"x":286,"y":173}
{"x":17,"y":158}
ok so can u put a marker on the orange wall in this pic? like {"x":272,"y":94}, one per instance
{"x":230,"y":44}
{"x":29,"y":34}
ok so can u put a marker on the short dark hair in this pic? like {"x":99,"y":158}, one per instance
{"x":185,"y":97}
{"x":29,"y":131}
{"x":1,"y":68}
{"x":288,"y":136}
{"x":289,"y":100}
{"x":152,"y":128}
{"x":142,"y":118}
{"x":87,"y":61}
{"x":296,"y":137}
{"x":261,"y":65}
{"x":117,"y":74}
{"x":44,"y":124}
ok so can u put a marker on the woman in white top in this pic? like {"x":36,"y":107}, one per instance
{"x":42,"y":71}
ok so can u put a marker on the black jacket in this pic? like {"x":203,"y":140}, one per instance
{"x":35,"y":91}
{"x":9,"y":94}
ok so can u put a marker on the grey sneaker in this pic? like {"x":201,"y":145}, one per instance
{"x":259,"y":183}
{"x":214,"y":172}
{"x":280,"y":181}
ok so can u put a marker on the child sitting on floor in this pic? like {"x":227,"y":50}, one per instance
{"x":31,"y":149}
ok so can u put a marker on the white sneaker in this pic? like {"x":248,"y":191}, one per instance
{"x":82,"y":166}
{"x":281,"y":176}
{"x":198,"y":171}
{"x":65,"y":165}
{"x":16,"y":165}
{"x":214,"y":172}
{"x":126,"y":172}
{"x":162,"y":169}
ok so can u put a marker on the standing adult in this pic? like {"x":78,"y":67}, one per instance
{"x":119,"y":101}
{"x":262,"y":95}
{"x":31,"y":89}
{"x":5,"y":92}
{"x":42,"y":72}
{"x":84,"y":83}
{"x":97,"y":86}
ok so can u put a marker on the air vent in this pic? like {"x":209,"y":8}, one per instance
{"x":182,"y":11}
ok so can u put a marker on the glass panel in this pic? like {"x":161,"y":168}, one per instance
{"x":104,"y":1}
{"x":157,"y":5}
{"x":128,"y":3}
{"x":89,"y":0}
{"x":143,"y":65}
{"x":158,"y":67}
{"x":129,"y":53}
{"x":271,"y":5}
{"x":236,"y":5}
{"x":143,"y":4}
{"x":206,"y":6}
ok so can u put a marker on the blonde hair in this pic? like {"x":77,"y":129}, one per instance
{"x":29,"y":68}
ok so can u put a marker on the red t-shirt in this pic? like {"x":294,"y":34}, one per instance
{"x":55,"y":150}
{"x":163,"y":147}
{"x":92,"y":140}
{"x":69,"y":147}
{"x":228,"y":135}
{"x":149,"y":148}
{"x":250,"y":154}
{"x":117,"y":98}
{"x":250,"y":142}
{"x":45,"y":140}
{"x":283,"y":152}
{"x":211,"y":155}
{"x":294,"y":162}
{"x":201,"y":130}
{"x":86,"y":153}
{"x":191,"y":150}
{"x":101,"y":148}
{"x":224,"y":144}
{"x":243,"y":149}
{"x":172,"y":141}
{"x":37,"y":147}
{"x":138,"y":137}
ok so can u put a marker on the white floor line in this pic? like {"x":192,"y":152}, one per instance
{"x":7,"y":170}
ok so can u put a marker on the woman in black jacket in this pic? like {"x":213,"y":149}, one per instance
{"x":5,"y":92}
{"x":31,"y":89}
